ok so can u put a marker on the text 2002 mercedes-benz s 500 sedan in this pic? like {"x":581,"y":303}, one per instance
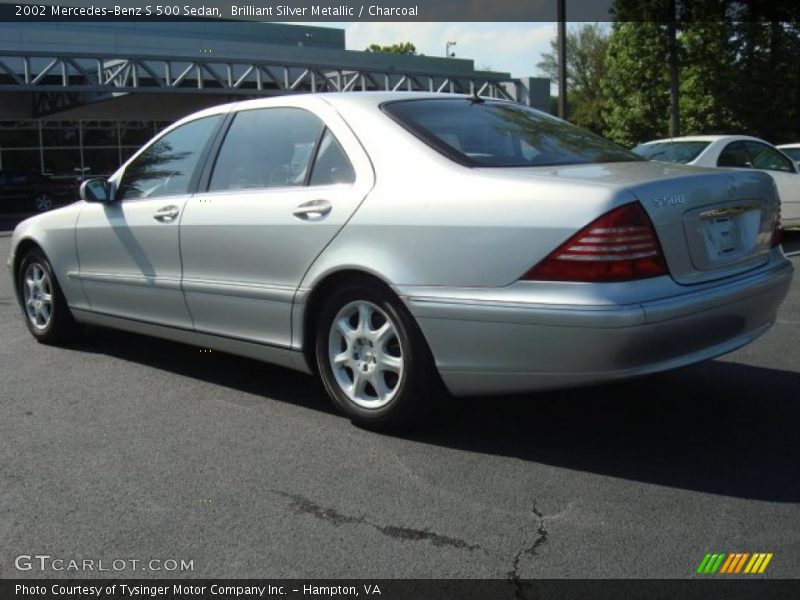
{"x":392,"y":242}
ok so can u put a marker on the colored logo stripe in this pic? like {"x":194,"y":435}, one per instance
{"x":710,"y":563}
{"x":758,"y":563}
{"x":735,"y":562}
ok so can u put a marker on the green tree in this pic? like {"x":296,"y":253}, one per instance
{"x":765,"y":94}
{"x":737,"y":61}
{"x":636,"y":83}
{"x":402,"y":48}
{"x":586,"y":65}
{"x":708,"y":70}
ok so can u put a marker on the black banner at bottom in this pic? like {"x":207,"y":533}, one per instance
{"x":397,"y":589}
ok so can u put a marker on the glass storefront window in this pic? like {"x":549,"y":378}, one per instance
{"x":60,"y":133}
{"x":99,"y":133}
{"x":72,"y":148}
{"x":135,"y":133}
{"x":20,"y":161}
{"x":63,"y":161}
{"x":100,"y":161}
{"x":19,"y":134}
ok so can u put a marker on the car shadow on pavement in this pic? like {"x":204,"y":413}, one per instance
{"x":718,"y":427}
{"x":219,"y":368}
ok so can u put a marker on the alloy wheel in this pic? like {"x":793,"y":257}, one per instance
{"x":365,"y":354}
{"x":38,"y":295}
{"x":43,"y":203}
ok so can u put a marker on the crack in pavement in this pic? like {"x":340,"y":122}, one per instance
{"x":540,"y":540}
{"x":302,"y":505}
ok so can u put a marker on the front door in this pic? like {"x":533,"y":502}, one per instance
{"x":128,"y":249}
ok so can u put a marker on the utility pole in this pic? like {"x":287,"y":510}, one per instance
{"x":674,"y":75}
{"x":562,"y":59}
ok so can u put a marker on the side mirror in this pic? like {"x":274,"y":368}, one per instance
{"x":95,"y":190}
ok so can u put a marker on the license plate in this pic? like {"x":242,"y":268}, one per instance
{"x":722,"y":237}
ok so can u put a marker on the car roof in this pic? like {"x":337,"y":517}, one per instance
{"x":786,"y":146}
{"x":356,"y":98}
{"x":707,"y":138}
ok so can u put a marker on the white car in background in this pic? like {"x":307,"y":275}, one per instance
{"x":792,"y":151}
{"x":736,"y":152}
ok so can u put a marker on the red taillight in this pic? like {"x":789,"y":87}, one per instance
{"x":619,"y":246}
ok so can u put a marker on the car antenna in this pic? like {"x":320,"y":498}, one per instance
{"x":475,"y":99}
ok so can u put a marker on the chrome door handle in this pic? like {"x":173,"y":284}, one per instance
{"x":166,"y":214}
{"x":313,"y":210}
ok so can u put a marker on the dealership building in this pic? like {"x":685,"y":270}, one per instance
{"x":78,"y":98}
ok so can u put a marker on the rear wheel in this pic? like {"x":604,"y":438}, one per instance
{"x":46,"y":312}
{"x":373,"y":360}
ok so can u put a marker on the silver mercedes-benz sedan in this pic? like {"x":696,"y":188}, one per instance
{"x":395,"y":242}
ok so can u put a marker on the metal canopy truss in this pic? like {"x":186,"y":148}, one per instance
{"x":105,"y":74}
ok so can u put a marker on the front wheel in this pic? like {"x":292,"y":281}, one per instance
{"x":373,"y":360}
{"x":46,"y":312}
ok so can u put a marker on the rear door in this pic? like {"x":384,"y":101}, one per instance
{"x":284,"y":182}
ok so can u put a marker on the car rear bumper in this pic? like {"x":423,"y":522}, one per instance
{"x":512,"y":341}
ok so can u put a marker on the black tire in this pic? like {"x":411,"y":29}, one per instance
{"x":417,"y":392}
{"x":61,"y":326}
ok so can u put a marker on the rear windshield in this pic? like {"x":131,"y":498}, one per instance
{"x":500,"y":134}
{"x":676,"y":152}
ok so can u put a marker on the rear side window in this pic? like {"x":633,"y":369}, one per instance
{"x":500,"y":134}
{"x":735,"y":155}
{"x":675,"y":152}
{"x":266,"y":148}
{"x":793,"y":153}
{"x":165,"y":168}
{"x":332,"y":165}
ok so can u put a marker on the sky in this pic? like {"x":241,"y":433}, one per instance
{"x":508,"y":47}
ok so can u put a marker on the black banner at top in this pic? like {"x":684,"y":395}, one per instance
{"x":400,"y":10}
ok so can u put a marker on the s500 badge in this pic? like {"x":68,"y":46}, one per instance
{"x":669,"y":200}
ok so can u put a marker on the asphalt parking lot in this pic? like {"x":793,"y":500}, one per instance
{"x":121,"y":446}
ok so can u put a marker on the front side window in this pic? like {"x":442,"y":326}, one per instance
{"x":266,"y":148}
{"x":166,"y":167}
{"x":675,"y":152}
{"x":500,"y":134}
{"x":768,"y":158}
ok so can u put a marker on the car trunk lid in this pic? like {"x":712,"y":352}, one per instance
{"x":710,"y":223}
